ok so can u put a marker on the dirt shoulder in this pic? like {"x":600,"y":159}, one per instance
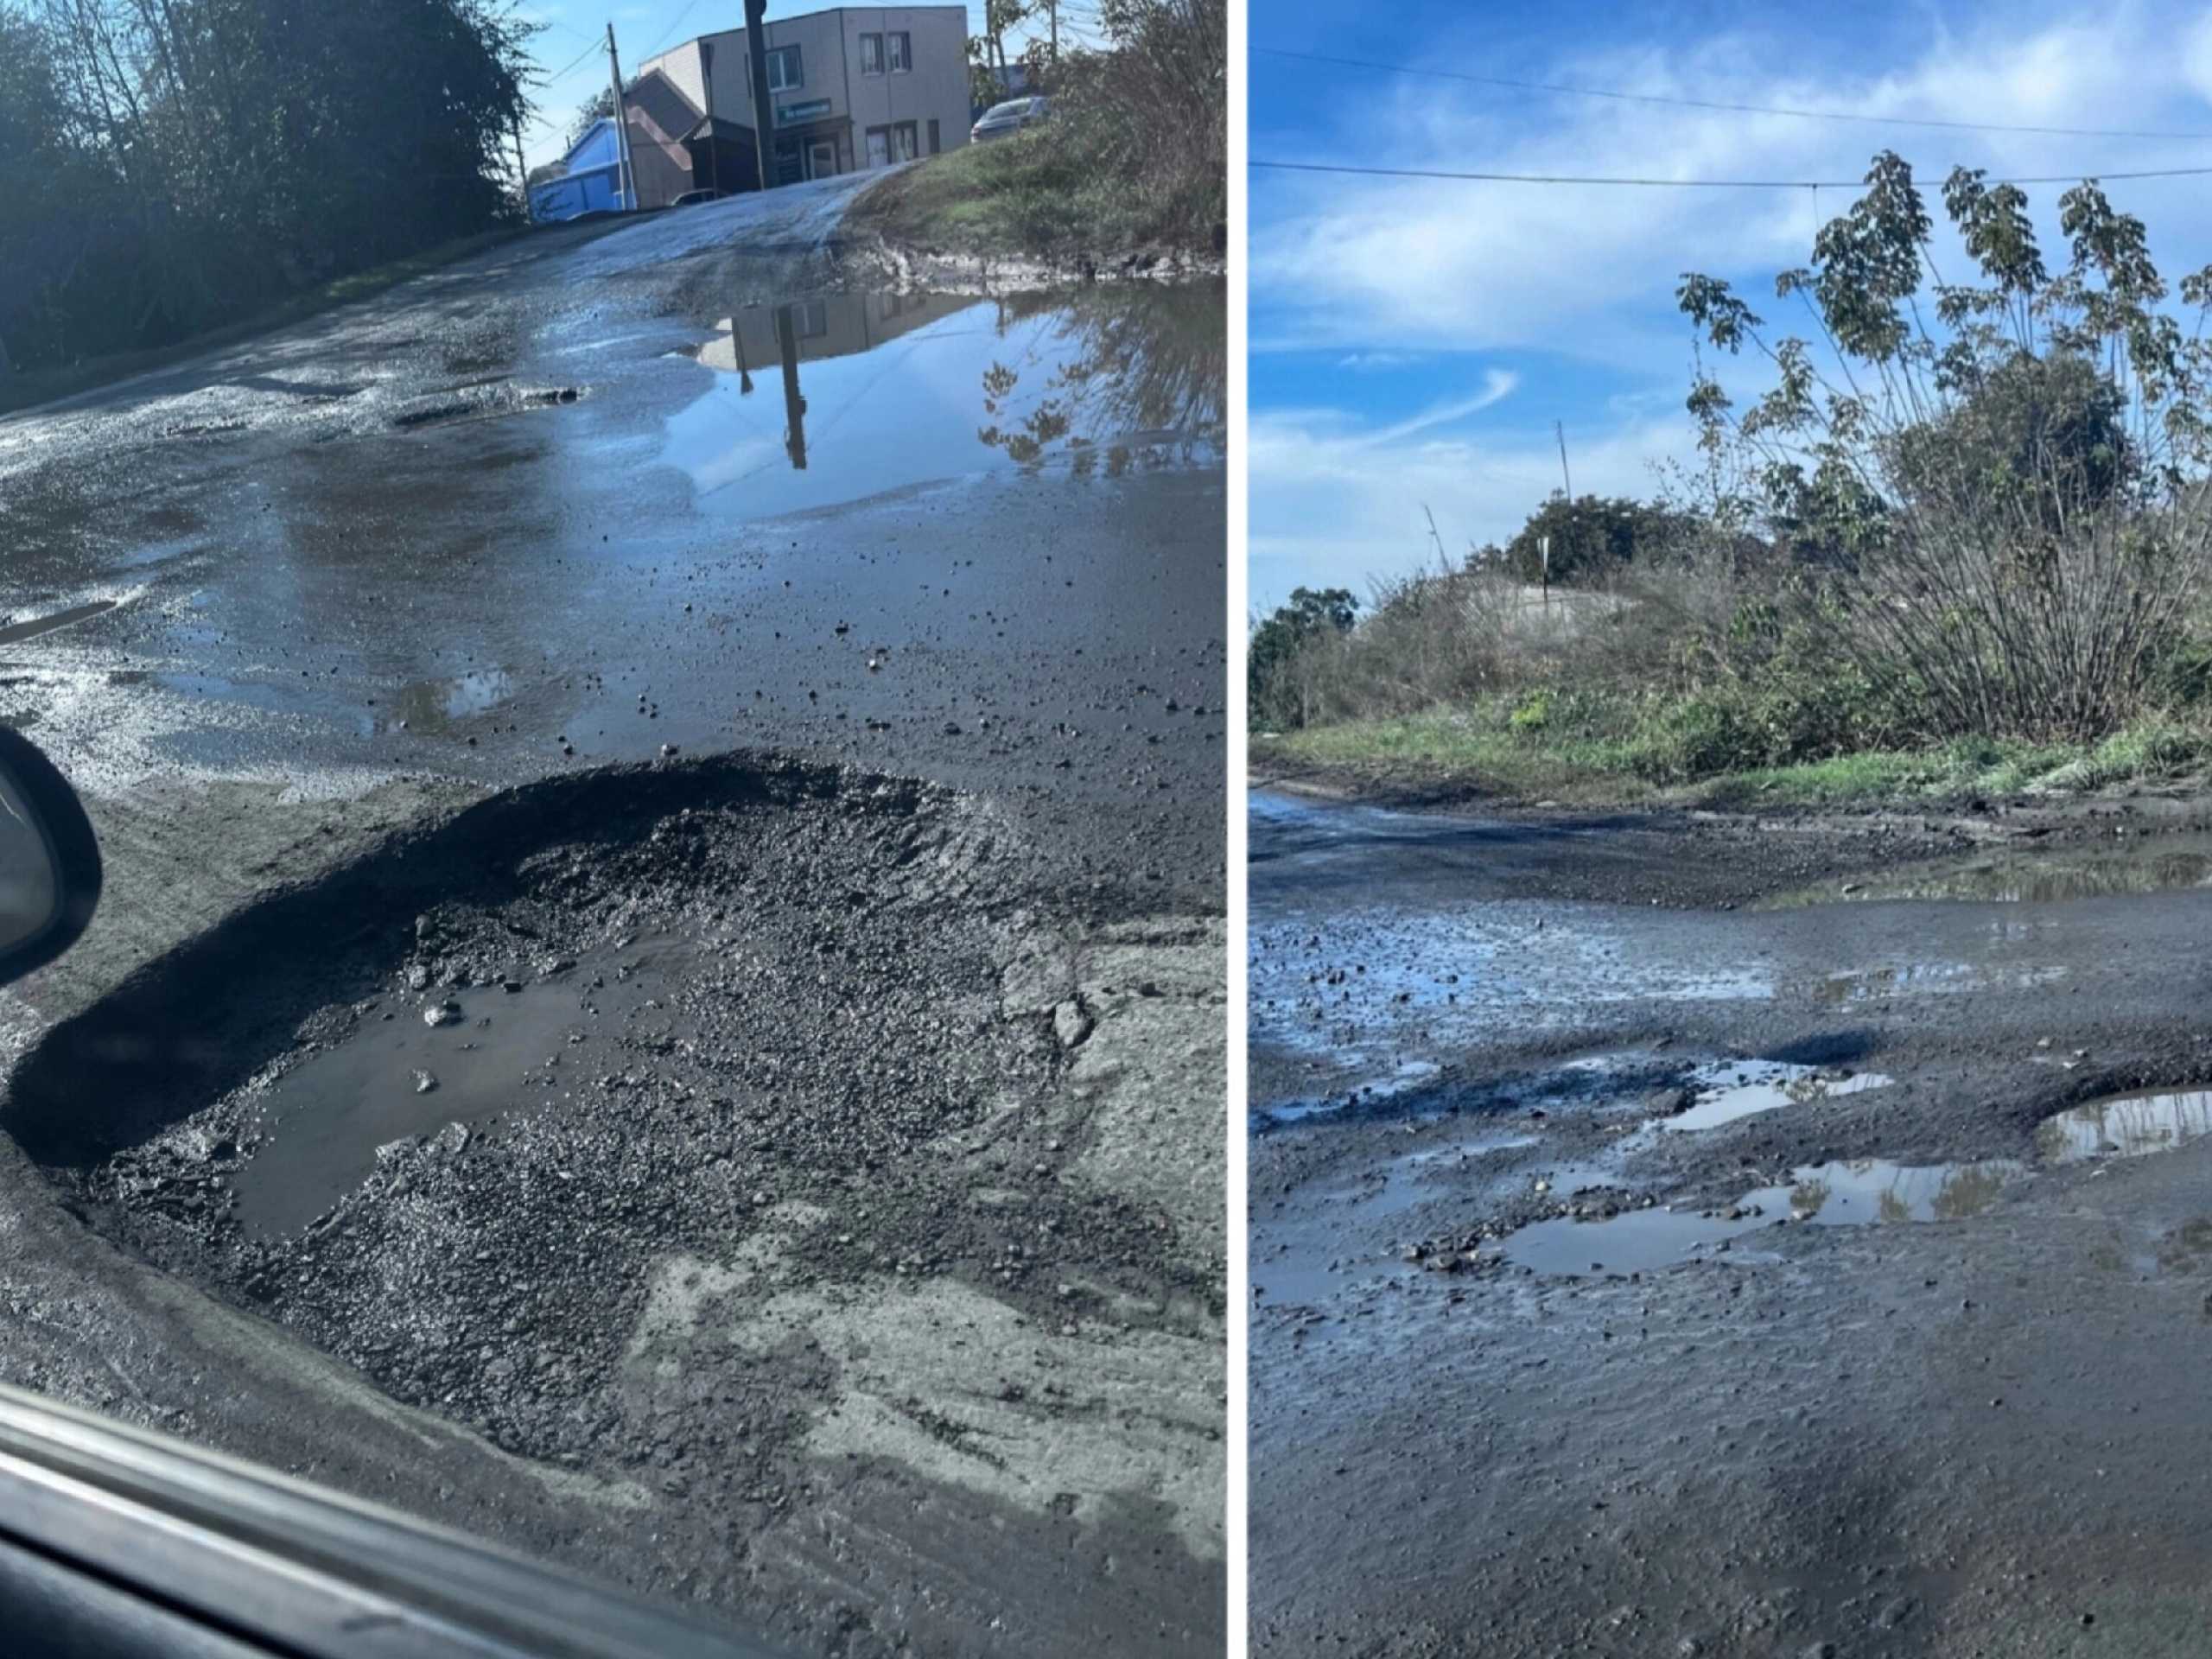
{"x":1884,"y":826}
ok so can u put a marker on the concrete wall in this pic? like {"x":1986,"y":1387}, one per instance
{"x":936,"y":88}
{"x":833,"y":95}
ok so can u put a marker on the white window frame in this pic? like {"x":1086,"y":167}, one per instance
{"x":874,"y":41}
{"x":899,"y":51}
{"x":777,"y":55}
{"x":911,"y":131}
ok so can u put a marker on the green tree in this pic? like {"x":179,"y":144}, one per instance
{"x":1592,"y":536}
{"x":2007,"y":476}
{"x":597,"y":107}
{"x":200,"y":157}
{"x":1281,"y":652}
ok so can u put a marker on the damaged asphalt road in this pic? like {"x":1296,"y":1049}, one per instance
{"x":1726,"y":1252}
{"x":658,"y":1003}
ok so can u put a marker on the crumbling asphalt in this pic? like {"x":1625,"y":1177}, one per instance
{"x":1976,"y":1434}
{"x":847,"y":1259}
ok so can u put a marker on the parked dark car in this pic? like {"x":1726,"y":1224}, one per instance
{"x":1010,"y":117}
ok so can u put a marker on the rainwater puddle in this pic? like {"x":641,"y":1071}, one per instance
{"x":1410,"y":1074}
{"x":507,"y":1051}
{"x":840,"y":396}
{"x":1854,"y":1194}
{"x":1930,"y":978}
{"x":2125,"y":1126}
{"x":16,"y":632}
{"x":2032,"y":875}
{"x":435,"y":705}
{"x":1728,"y":1090}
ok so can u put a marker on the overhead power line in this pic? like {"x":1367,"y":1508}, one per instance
{"x":1716,"y":104}
{"x":690,"y":6}
{"x":1699,"y":184}
{"x":595,"y":46}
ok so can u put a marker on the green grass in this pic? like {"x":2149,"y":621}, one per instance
{"x":1035,"y":193}
{"x":1483,"y":747}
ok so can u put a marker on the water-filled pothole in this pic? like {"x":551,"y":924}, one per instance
{"x":834,"y":1053}
{"x":1862,"y":1191}
{"x":2125,"y":1126}
{"x":462,"y":1056}
{"x":1845,"y":1194}
{"x":1729,"y":1090}
{"x":2031,"y":875}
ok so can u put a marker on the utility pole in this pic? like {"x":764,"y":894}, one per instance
{"x":1443,"y":559}
{"x":706,"y":81}
{"x":1559,"y":430}
{"x":625,"y":175}
{"x":522,"y":171}
{"x":1054,"y":8}
{"x":764,"y":111}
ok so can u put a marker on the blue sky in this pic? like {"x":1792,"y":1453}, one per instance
{"x":642,"y":30}
{"x":1413,"y":341}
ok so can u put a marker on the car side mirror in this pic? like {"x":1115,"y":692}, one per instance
{"x":49,"y":860}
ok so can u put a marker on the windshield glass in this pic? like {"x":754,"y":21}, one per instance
{"x":650,"y":768}
{"x":1004,"y":112}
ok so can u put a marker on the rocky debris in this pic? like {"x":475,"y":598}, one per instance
{"x":442,"y":1014}
{"x":424,"y":1083}
{"x":836,"y":1067}
{"x":1072,"y":1023}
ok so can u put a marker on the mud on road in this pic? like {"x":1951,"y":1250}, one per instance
{"x":772,"y":729}
{"x":1721,"y":1237}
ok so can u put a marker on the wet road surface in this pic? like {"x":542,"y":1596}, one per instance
{"x":1748,"y":1256}
{"x":781,"y":1173}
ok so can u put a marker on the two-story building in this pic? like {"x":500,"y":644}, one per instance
{"x":853,"y":87}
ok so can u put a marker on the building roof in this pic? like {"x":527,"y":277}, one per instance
{"x":723,"y":128}
{"x":662,"y":103}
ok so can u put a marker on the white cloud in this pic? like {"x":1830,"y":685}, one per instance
{"x":1372,"y":362}
{"x":1328,"y":511}
{"x":1496,"y":384}
{"x":1375,"y":270}
{"x":1387,"y":266}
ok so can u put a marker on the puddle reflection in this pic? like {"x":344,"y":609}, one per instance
{"x":885,"y":391}
{"x":1861,"y":1193}
{"x":1728,"y":1090}
{"x":2125,"y":1126}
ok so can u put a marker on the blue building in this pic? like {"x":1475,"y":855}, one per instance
{"x":592,"y":182}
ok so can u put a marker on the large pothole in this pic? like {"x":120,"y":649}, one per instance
{"x":469,"y":1112}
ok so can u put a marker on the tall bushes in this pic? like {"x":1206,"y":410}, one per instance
{"x":166,"y":165}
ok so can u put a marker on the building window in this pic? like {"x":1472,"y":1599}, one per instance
{"x":872,"y":53}
{"x":899,"y":50}
{"x":902,"y":142}
{"x":811,"y":320}
{"x":932,"y":134}
{"x":784,"y":74}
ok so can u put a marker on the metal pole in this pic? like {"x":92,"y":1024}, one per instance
{"x":522,"y":172}
{"x":1560,"y":429}
{"x":764,"y":111}
{"x":707,"y":80}
{"x":625,"y":176}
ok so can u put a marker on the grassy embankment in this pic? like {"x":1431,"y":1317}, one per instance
{"x":1479,"y":747}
